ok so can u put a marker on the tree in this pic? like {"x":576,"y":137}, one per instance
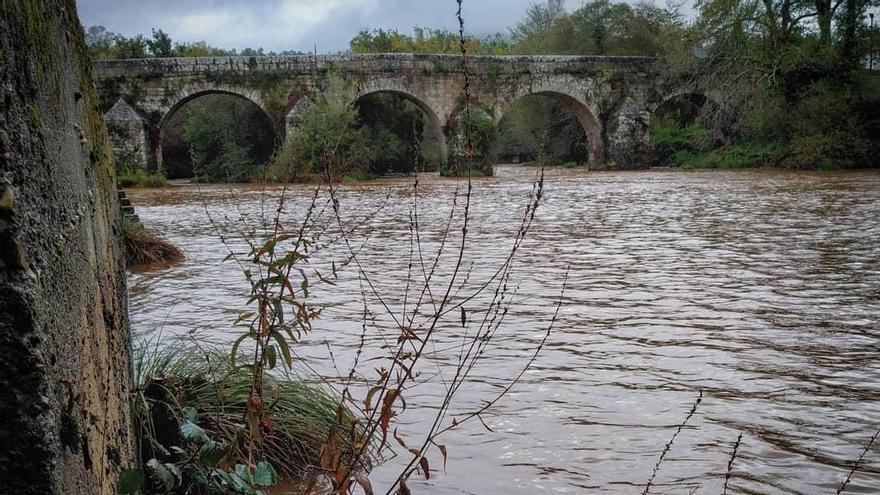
{"x":531,"y":34}
{"x":134,"y":47}
{"x":100,"y":42}
{"x":160,"y":45}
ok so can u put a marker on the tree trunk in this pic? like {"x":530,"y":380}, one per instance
{"x":823,"y":19}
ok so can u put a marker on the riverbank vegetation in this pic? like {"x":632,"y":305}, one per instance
{"x":127,"y":177}
{"x":218,"y":138}
{"x":188,"y":406}
{"x":144,"y":248}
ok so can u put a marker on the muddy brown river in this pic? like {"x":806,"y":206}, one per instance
{"x":762,"y":289}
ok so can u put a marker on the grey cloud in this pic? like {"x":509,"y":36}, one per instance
{"x":260,"y":23}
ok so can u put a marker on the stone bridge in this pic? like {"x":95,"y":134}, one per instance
{"x":614,"y":98}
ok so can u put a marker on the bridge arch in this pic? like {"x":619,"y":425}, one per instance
{"x":684,"y":106}
{"x":191,"y":93}
{"x":698,"y":98}
{"x":435,"y":124}
{"x":585,"y":115}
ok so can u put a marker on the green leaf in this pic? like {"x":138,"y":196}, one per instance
{"x":161,"y":473}
{"x":240,"y":485}
{"x":233,"y":354}
{"x":265,"y":475}
{"x":270,"y":354}
{"x":192,"y":432}
{"x":159,"y":448}
{"x":130,"y":481}
{"x":190,"y":414}
{"x":244,"y":473}
{"x":196,"y":475}
{"x":173,"y":469}
{"x":211,"y":453}
{"x":244,"y":316}
{"x":285,"y":348}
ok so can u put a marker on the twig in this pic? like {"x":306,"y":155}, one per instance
{"x":669,"y":444}
{"x":858,"y":463}
{"x":730,"y":462}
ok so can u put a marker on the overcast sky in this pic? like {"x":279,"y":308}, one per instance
{"x":293,"y":24}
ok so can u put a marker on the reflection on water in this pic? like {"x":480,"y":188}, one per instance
{"x":760,"y":288}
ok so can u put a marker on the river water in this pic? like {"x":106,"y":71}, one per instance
{"x":760,"y":289}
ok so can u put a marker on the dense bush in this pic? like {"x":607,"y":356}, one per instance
{"x":329,"y":142}
{"x":127,"y":177}
{"x":671,"y":141}
{"x":222,"y":138}
{"x":480,"y":128}
{"x":731,"y":156}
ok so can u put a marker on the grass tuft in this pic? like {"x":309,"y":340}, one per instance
{"x":171,"y":377}
{"x":143,"y":248}
{"x":128,"y":178}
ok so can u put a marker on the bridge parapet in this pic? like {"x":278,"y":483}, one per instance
{"x":368,"y":64}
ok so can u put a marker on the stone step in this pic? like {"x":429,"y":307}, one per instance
{"x":123,"y":201}
{"x":128,"y":210}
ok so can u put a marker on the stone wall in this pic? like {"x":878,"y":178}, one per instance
{"x":613,"y":97}
{"x":128,"y":136}
{"x":64,"y":365}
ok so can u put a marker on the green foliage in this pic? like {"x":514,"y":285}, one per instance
{"x":425,"y":40}
{"x":188,"y":407}
{"x":359,"y":176}
{"x":161,"y":45}
{"x":670,"y":142}
{"x":599,"y":27}
{"x":221,"y":139}
{"x":480,"y":128}
{"x":195,"y":466}
{"x":139,"y":178}
{"x":105,"y":45}
{"x":537,"y":125}
{"x":399,"y":132}
{"x":329,"y":142}
{"x":382,"y":133}
{"x":448,"y":171}
{"x":733,"y":156}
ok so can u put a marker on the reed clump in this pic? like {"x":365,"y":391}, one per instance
{"x":144,"y":248}
{"x":170,"y":379}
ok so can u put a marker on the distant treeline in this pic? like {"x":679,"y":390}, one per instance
{"x":107,"y":45}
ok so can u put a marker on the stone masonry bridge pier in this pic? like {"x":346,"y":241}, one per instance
{"x":614,"y":98}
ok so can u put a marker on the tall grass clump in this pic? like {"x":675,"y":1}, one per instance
{"x":172,"y":377}
{"x":143,"y":248}
{"x":140,"y":178}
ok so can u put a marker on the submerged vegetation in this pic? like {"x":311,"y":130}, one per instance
{"x":143,"y":248}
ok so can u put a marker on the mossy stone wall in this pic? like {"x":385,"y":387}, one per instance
{"x":64,"y":338}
